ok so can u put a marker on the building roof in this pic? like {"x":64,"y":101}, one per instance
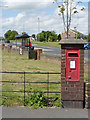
{"x":72,"y":40}
{"x":75,"y":31}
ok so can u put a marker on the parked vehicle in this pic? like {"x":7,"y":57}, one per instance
{"x":87,"y":46}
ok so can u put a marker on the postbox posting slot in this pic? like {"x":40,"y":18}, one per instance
{"x":72,"y":54}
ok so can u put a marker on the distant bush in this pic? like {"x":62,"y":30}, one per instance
{"x":47,"y":36}
{"x":10,"y":35}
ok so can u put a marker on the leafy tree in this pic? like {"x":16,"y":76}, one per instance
{"x":13,"y":34}
{"x":24,"y":33}
{"x":10,"y":35}
{"x":88,"y":37}
{"x":40,"y":37}
{"x":67,"y":5}
{"x":50,"y":36}
{"x":7,"y":34}
{"x":78,"y":35}
{"x":50,"y":39}
{"x":54,"y":36}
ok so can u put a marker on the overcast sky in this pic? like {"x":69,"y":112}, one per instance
{"x":33,"y":16}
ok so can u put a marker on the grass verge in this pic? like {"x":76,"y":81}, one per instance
{"x":15,"y":63}
{"x":49,"y":44}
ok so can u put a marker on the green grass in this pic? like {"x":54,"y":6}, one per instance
{"x":86,"y":77}
{"x":49,"y":44}
{"x":14,"y":62}
{"x":12,"y":99}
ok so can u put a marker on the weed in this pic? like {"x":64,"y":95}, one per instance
{"x":37,"y":99}
{"x":86,"y":77}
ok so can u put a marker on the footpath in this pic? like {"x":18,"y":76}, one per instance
{"x":26,"y":112}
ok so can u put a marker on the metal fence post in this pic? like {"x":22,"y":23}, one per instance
{"x":24,"y":82}
{"x":48,"y":87}
{"x":24,"y":88}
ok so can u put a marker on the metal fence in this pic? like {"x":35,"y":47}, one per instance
{"x":24,"y":81}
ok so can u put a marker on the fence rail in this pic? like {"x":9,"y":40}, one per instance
{"x":25,"y":82}
{"x":31,"y":72}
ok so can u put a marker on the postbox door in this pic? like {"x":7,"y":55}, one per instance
{"x":72,"y":69}
{"x":72,"y":65}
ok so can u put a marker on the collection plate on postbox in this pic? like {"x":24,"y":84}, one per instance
{"x":72,"y":64}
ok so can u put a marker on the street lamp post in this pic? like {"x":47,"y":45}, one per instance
{"x":38,"y":28}
{"x":4,"y":6}
{"x":67,"y":19}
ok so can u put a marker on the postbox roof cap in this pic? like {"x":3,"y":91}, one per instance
{"x":72,"y":41}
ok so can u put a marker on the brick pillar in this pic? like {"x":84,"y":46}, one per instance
{"x":72,"y":92}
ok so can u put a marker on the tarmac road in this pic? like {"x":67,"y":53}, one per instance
{"x":56,"y":51}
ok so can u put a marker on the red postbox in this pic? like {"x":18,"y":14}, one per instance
{"x":72,"y":64}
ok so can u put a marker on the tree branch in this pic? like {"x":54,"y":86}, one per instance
{"x":70,"y":15}
{"x":64,"y":21}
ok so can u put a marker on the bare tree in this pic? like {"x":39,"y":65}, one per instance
{"x":70,"y":7}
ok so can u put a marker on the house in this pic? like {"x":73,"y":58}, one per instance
{"x":72,"y":33}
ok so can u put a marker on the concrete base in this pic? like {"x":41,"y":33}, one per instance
{"x":72,"y":104}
